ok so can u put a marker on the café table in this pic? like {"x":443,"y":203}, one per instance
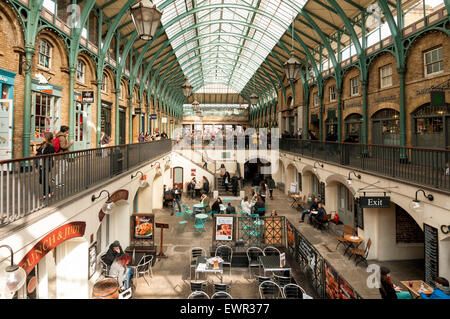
{"x":296,"y":200}
{"x":413,"y":287}
{"x":198,"y":207}
{"x":354,"y":241}
{"x":272,"y":263}
{"x":203,"y":266}
{"x":201,"y":217}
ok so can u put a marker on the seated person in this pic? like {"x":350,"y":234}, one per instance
{"x":321,"y":215}
{"x":314,"y":206}
{"x":198,"y":188}
{"x":120,"y":271}
{"x":113,"y":252}
{"x":205,"y":201}
{"x":191,"y":187}
{"x":216,"y":206}
{"x":230,"y":209}
{"x":259,"y":204}
{"x":247,"y":205}
{"x":273,"y":213}
{"x":441,"y":290}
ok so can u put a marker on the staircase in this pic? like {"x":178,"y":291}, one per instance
{"x":221,"y":188}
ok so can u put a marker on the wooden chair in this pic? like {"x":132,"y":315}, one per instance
{"x":348,"y":230}
{"x":361,"y":255}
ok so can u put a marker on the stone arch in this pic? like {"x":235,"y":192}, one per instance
{"x":157,"y":190}
{"x":379,"y":55}
{"x":420,"y":36}
{"x":335,"y":178}
{"x":110,"y":76}
{"x":17,"y":36}
{"x":291,"y":174}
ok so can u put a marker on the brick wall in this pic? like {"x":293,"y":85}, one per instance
{"x":407,"y":230}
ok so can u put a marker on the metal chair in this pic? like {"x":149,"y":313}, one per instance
{"x":261,"y":279}
{"x":281,"y":280}
{"x":226,"y":253}
{"x":253,"y":254}
{"x":271,"y":251}
{"x":144,"y":267}
{"x":221,"y":295}
{"x":198,"y":295}
{"x":181,"y":223}
{"x":293,"y":291}
{"x":269,"y":290}
{"x":221,"y":287}
{"x":361,"y":255}
{"x":195,"y":253}
{"x":198,"y":286}
{"x":104,"y":266}
{"x":348,"y":230}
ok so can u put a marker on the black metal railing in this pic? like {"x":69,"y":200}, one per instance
{"x":428,"y":167}
{"x":30,"y":184}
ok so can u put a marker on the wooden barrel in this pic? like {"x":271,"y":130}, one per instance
{"x":106,"y":289}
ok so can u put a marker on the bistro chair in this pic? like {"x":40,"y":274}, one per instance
{"x":271,"y":251}
{"x":221,"y":295}
{"x":104,"y":269}
{"x":361,"y":255}
{"x":226,"y":253}
{"x":144,"y":267}
{"x":253,"y":254}
{"x":293,"y":291}
{"x":198,"y":295}
{"x":181,"y":223}
{"x":198,"y":286}
{"x":348,"y":230}
{"x":261,"y":279}
{"x":269,"y":290}
{"x":195,"y":253}
{"x":221,"y":287}
{"x":281,"y":280}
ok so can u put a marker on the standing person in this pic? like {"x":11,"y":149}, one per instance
{"x":387,"y":289}
{"x":270,"y":185}
{"x":176,"y":194}
{"x":222,"y":171}
{"x":120,"y":271}
{"x":205,"y":187}
{"x":104,"y":141}
{"x":255,"y":183}
{"x":141,"y":137}
{"x":45,"y":164}
{"x":234,"y":184}
{"x":226,"y":180}
{"x":263,"y":191}
{"x":62,"y":144}
{"x":441,"y":289}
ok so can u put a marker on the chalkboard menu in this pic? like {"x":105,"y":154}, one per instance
{"x":431,"y":253}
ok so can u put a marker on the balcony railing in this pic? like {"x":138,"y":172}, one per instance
{"x":30,"y":184}
{"x":421,"y":166}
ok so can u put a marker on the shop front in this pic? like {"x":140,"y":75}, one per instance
{"x":386,"y":127}
{"x":353,"y":123}
{"x":83,"y":123}
{"x":105,"y":117}
{"x":6,"y":113}
{"x":431,"y":126}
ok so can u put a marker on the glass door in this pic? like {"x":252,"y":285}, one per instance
{"x":81,"y":137}
{"x":6,"y":110}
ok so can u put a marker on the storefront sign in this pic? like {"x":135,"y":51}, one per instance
{"x":375,"y":202}
{"x":45,"y":89}
{"x":121,"y":194}
{"x":385,"y":98}
{"x":3,"y":79}
{"x":153,"y":116}
{"x":137,"y":110}
{"x":445,"y":229}
{"x":356,"y":104}
{"x":49,"y":242}
{"x":88,"y":96}
{"x":164,"y":120}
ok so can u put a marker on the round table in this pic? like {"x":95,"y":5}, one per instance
{"x":198,"y":206}
{"x":201,"y":216}
{"x":353,"y":239}
{"x":314,"y":212}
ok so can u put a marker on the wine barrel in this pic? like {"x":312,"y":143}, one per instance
{"x":106,"y":289}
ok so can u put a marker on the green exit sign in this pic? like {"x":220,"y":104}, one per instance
{"x":437,"y":98}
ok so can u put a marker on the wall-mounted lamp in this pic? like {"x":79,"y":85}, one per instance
{"x":13,"y":277}
{"x":143,"y":180}
{"x":318,"y":163}
{"x":417,"y":205}
{"x":154,"y":164}
{"x":108,"y":206}
{"x":166,"y":158}
{"x":349,"y":180}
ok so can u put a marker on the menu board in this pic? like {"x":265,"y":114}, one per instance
{"x":431,"y":245}
{"x":92,"y":259}
{"x":224,"y":228}
{"x":142,"y":229}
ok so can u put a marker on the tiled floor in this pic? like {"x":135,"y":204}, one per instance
{"x":171,"y":275}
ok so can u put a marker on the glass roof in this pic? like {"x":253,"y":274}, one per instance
{"x":225,"y":41}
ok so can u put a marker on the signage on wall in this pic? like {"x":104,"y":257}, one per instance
{"x":153,"y":116}
{"x":164,"y":120}
{"x":375,"y":202}
{"x":431,"y":247}
{"x":49,"y":242}
{"x":45,"y":89}
{"x":87,"y":96}
{"x":445,"y":229}
{"x":137,"y":110}
{"x":385,"y":98}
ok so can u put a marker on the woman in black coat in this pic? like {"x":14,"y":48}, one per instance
{"x":114,"y":251}
{"x":387,"y":288}
{"x":45,"y":164}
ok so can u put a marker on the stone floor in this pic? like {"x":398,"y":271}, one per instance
{"x":171,"y":275}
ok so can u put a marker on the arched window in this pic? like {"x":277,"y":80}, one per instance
{"x":430,"y":126}
{"x":353,"y":124}
{"x":45,"y":54}
{"x":81,"y":69}
{"x":105,"y":83}
{"x":386,"y":127}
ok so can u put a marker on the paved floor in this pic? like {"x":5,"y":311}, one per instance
{"x":171,"y":275}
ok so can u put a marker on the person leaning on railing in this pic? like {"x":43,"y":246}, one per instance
{"x":45,"y":164}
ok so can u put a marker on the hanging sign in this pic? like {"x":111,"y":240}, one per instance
{"x":375,"y":202}
{"x":137,"y":110}
{"x":153,"y":116}
{"x":88,"y":96}
{"x":49,"y":242}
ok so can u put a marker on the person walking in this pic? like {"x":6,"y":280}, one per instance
{"x":226,"y":181}
{"x":263,"y":191}
{"x":45,"y":164}
{"x":176,"y":195}
{"x":270,"y":185}
{"x":234,"y":184}
{"x":104,"y":141}
{"x":62,"y":144}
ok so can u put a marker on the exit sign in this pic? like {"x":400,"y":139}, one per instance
{"x":374,"y":202}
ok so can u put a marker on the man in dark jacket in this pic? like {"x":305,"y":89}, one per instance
{"x":234,"y":184}
{"x":230,"y":209}
{"x":114,"y":251}
{"x":271,"y":185}
{"x":441,"y":290}
{"x":314,"y":206}
{"x":176,"y":195}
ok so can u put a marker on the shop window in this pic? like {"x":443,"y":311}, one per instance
{"x":299,"y":181}
{"x":106,"y":118}
{"x":45,"y":54}
{"x":353,"y":124}
{"x":332,"y":93}
{"x":433,"y":62}
{"x":316,"y":99}
{"x":429,"y":127}
{"x":386,"y":76}
{"x":386,"y":127}
{"x":45,"y":113}
{"x":104,"y":83}
{"x":81,"y":68}
{"x":354,"y":86}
